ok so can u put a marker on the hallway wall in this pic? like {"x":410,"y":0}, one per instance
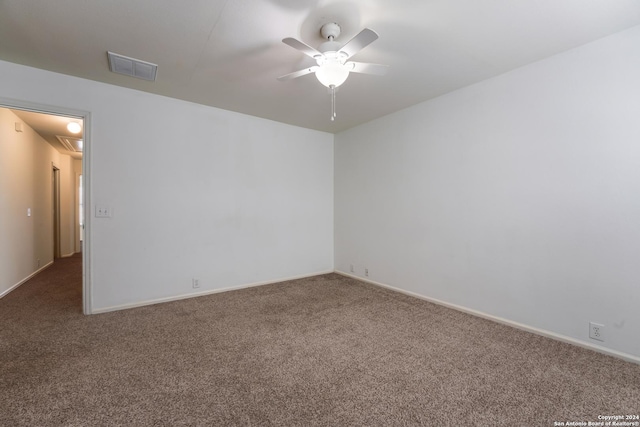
{"x":26,"y":242}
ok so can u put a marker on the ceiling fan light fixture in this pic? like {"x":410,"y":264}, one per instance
{"x":332,"y":73}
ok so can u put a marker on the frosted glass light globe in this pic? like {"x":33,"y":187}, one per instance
{"x":332,"y":73}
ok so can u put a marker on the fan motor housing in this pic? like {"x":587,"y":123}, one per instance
{"x":329,"y":46}
{"x":330,"y":30}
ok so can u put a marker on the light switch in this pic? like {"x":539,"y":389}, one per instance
{"x":28,"y":211}
{"x":103,"y":211}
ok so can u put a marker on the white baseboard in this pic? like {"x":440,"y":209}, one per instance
{"x":609,"y":352}
{"x":202,"y":293}
{"x":68,"y":255}
{"x":25,"y":279}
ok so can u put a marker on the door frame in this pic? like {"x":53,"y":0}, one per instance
{"x":85,"y":116}
{"x":55,"y":196}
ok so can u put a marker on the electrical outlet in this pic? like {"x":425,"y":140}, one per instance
{"x":351,"y":269}
{"x":195,"y":283}
{"x":596,"y":331}
{"x":366,"y":272}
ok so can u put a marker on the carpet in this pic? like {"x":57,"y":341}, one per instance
{"x":325,"y":351}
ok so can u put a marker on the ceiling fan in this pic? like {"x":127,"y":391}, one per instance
{"x":333,"y":67}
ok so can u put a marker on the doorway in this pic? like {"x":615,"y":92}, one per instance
{"x":55,"y":211}
{"x":68,"y":199}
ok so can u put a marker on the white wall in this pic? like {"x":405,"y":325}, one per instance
{"x":26,"y":242}
{"x":195,"y":191}
{"x":518,"y":197}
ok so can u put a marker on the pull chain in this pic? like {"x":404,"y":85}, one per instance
{"x":333,"y":102}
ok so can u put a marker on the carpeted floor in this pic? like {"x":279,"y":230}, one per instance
{"x":327,"y":350}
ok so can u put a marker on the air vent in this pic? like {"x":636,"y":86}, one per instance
{"x":71,"y":143}
{"x":132,"y":67}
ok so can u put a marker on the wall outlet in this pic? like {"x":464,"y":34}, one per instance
{"x":596,"y":331}
{"x":366,"y":272}
{"x":351,"y":269}
{"x":195,"y":283}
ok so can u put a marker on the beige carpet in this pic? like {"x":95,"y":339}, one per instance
{"x":327,"y":350}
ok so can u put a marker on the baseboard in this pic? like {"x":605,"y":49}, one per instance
{"x":548,"y":334}
{"x":202,"y":293}
{"x":68,"y":255}
{"x":25,"y":279}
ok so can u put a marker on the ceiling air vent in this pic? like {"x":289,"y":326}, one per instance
{"x":132,"y":67}
{"x":71,"y":143}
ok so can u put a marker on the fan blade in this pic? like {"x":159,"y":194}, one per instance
{"x":302,"y":47}
{"x":359,"y":42}
{"x":299,"y":73}
{"x":367,"y":68}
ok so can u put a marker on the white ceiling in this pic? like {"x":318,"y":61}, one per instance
{"x":228,"y":54}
